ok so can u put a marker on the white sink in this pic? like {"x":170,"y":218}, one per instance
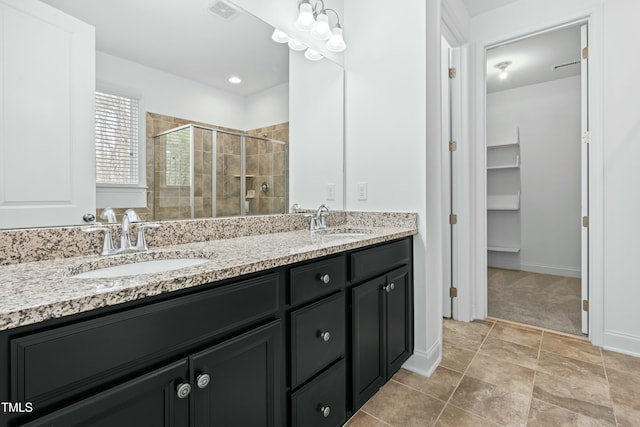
{"x":142,"y":267}
{"x":348,"y":232}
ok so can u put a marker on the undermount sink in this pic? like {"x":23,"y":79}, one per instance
{"x":141,"y":267}
{"x":345,"y":232}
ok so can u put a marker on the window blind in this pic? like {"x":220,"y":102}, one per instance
{"x":116,"y":139}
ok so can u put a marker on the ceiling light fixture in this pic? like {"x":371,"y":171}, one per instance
{"x":315,"y":20}
{"x":502,"y":66}
{"x":235,"y":80}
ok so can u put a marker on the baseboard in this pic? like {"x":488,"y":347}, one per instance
{"x":425,"y":362}
{"x":622,"y":343}
{"x":535,"y":268}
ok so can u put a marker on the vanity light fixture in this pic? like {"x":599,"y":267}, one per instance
{"x":279,"y":36}
{"x":315,"y":20}
{"x":502,"y":66}
{"x":312,"y":55}
{"x":296,"y":45}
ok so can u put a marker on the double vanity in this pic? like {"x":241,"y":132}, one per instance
{"x":273,"y":326}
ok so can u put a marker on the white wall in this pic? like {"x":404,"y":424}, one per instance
{"x":386,"y":137}
{"x":548,"y":115}
{"x":621,"y":175}
{"x":168,"y":94}
{"x":266,"y":108}
{"x":316,"y":132}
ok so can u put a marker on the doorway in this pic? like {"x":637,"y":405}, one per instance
{"x":537,"y":179}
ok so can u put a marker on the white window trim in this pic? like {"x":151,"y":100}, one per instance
{"x":126,"y":195}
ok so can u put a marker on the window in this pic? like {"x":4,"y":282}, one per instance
{"x":178,"y":154}
{"x":116,"y":140}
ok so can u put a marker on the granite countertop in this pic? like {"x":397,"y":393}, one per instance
{"x":36,"y":291}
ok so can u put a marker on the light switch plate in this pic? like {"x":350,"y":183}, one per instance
{"x":331,"y":191}
{"x":362,"y":191}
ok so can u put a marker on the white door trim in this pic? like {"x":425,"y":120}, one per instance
{"x":472,"y":296}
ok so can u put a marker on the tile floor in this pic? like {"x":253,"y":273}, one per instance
{"x":495,"y":373}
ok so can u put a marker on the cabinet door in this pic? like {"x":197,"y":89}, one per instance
{"x":148,"y":401}
{"x":398,"y":308}
{"x":47,"y":125}
{"x":368,"y":366}
{"x":237,"y":383}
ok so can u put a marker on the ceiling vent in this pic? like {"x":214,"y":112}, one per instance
{"x":223,"y":10}
{"x":568,"y":64}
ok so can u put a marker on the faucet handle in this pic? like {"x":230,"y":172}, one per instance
{"x":141,"y":242}
{"x":132,"y":215}
{"x":108,"y":214}
{"x":107,"y":245}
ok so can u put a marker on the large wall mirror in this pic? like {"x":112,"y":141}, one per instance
{"x":278,"y":135}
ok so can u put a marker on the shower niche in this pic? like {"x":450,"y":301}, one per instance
{"x":203,"y":172}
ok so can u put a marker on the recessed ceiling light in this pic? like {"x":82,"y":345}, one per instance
{"x":235,"y":80}
{"x":502,"y":66}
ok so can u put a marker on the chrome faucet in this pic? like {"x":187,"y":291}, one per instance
{"x":129,"y":217}
{"x":317,"y":221}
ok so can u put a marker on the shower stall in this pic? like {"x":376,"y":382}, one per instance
{"x":202,"y":172}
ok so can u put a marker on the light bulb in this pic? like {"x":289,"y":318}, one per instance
{"x":279,"y":36}
{"x":322,"y":31}
{"x":503,"y":74}
{"x":296,"y":45}
{"x":312,"y":55}
{"x":336,"y":41}
{"x":305,"y":20}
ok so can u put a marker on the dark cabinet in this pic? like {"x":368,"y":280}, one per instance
{"x":237,"y":383}
{"x":322,"y":402}
{"x":317,"y":337}
{"x":382,"y":327}
{"x":302,"y":346}
{"x":148,"y":401}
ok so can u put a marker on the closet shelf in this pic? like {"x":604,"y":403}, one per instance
{"x":499,"y":144}
{"x":503,"y":202}
{"x":509,"y":249}
{"x":511,"y":166}
{"x":514,"y":140}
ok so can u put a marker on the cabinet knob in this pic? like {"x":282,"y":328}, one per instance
{"x":325,"y":411}
{"x":203,"y":380}
{"x":389,"y":287}
{"x":183,"y":390}
{"x":326,"y":336}
{"x":325,"y":278}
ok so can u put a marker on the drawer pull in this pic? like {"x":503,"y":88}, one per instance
{"x":389,"y":287}
{"x":325,"y":278}
{"x":183,"y":390}
{"x":203,"y":380}
{"x":325,"y":411}
{"x":326,"y":336}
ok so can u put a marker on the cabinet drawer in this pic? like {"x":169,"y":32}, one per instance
{"x":66,"y":361}
{"x":368,"y":263}
{"x":317,"y":279}
{"x":322,"y":402}
{"x":317,"y":337}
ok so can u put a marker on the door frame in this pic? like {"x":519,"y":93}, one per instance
{"x":474,"y":293}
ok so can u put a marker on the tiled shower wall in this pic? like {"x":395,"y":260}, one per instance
{"x":267,"y":162}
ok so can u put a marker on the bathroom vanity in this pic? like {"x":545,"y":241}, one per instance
{"x":302,"y":337}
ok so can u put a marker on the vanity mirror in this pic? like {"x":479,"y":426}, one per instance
{"x":176,"y":57}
